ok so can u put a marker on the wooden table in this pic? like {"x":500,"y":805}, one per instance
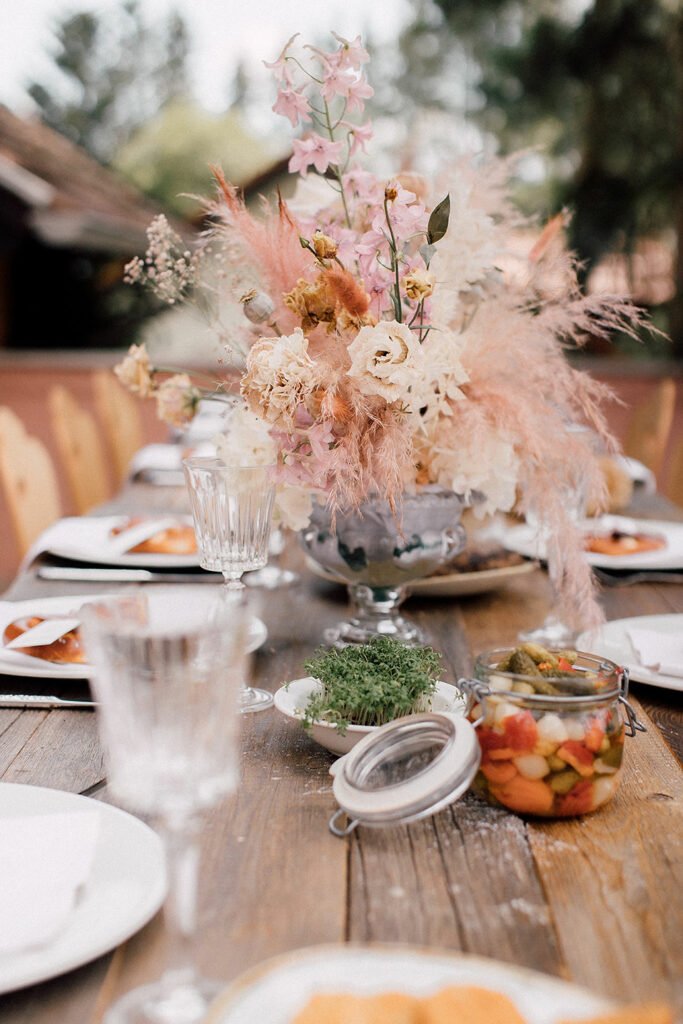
{"x":597,"y":899}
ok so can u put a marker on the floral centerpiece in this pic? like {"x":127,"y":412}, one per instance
{"x":389,"y":335}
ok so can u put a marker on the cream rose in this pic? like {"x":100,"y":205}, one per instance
{"x":280,"y":376}
{"x":387,"y":360}
{"x":135,"y":371}
{"x":177,"y":400}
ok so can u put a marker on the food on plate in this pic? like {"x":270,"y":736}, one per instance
{"x":647,"y":1013}
{"x":617,"y":542}
{"x":480,"y":559}
{"x":457,"y":1004}
{"x":388,"y":1008}
{"x":538,"y":759}
{"x":68,"y":649}
{"x":173,"y":540}
{"x":468,"y":1004}
{"x":370,"y":684}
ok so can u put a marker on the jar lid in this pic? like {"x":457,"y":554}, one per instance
{"x":405,"y":770}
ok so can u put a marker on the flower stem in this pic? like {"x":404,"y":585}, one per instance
{"x":336,"y":171}
{"x":394,"y":264}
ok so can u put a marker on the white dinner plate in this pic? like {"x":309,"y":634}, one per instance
{"x":278,"y":989}
{"x":84,"y":539}
{"x":291,"y":699}
{"x":125,"y":887}
{"x":14,"y":663}
{"x":455,"y":584}
{"x":611,"y":641}
{"x":526,"y":541}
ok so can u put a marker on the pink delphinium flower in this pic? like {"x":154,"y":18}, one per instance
{"x":292,"y":105}
{"x":351,"y":53}
{"x":280,"y":67}
{"x":315,"y":150}
{"x":360,"y":135}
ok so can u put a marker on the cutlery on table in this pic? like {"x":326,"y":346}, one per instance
{"x":616,"y":578}
{"x":106,"y":575}
{"x":42,"y":701}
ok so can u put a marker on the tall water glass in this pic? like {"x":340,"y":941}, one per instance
{"x":232,"y":508}
{"x":167,"y":671}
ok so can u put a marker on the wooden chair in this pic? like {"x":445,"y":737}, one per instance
{"x":80,"y":449}
{"x":119,"y":414}
{"x":650,"y":426}
{"x":674,"y":487}
{"x":28,"y":479}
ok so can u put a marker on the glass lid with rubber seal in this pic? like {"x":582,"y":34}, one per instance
{"x":406,"y":770}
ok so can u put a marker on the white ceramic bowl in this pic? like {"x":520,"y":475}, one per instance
{"x":292,"y":698}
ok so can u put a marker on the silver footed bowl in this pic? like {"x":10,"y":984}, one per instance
{"x":378,"y":552}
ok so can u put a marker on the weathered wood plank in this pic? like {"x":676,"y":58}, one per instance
{"x":614,"y":881}
{"x":58,"y":749}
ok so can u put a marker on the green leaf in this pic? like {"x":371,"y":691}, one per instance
{"x":438,"y":220}
{"x":426,"y":252}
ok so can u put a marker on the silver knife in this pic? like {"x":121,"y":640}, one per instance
{"x":40,"y":701}
{"x":106,"y":575}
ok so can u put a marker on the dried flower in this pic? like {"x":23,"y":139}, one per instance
{"x":177,"y":400}
{"x":386,"y":360}
{"x":257,"y":306}
{"x":135,"y":371}
{"x":313,"y":303}
{"x":280,"y":376}
{"x":418,"y":284}
{"x":168,"y":267}
{"x":324,"y":247}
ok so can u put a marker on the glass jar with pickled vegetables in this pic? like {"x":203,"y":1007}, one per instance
{"x":551,"y":727}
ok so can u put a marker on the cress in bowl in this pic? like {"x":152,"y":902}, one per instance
{"x":352,"y":691}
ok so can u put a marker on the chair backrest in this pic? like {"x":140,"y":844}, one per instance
{"x":119,"y":413}
{"x":648,"y":432}
{"x":674,"y":484}
{"x":28,"y":479}
{"x":80,"y":449}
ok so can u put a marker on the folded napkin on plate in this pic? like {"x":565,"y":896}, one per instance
{"x":44,"y":860}
{"x":661,"y":652}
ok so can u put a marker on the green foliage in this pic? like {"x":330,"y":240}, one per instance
{"x":371,"y":684}
{"x":115,"y":72}
{"x":169,"y":157}
{"x":598,"y":87}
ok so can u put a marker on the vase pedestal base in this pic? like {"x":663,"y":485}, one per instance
{"x":375,"y":613}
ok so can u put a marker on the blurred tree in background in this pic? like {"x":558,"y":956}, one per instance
{"x":598,"y":85}
{"x":116,"y":72}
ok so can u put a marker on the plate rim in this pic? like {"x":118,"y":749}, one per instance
{"x":253,"y":975}
{"x":639,"y":673}
{"x":83,"y":672}
{"x":141,"y":560}
{"x":145,"y":908}
{"x":615,"y":562}
{"x":429,"y":584}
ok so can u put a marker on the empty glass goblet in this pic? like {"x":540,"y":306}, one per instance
{"x":167,"y":670}
{"x":232,"y":509}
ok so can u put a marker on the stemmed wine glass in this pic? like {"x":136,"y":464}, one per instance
{"x":232,"y":509}
{"x":167,"y":671}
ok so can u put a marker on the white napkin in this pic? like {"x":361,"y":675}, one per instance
{"x":166,"y":458}
{"x":660,"y":652}
{"x":44,"y":860}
